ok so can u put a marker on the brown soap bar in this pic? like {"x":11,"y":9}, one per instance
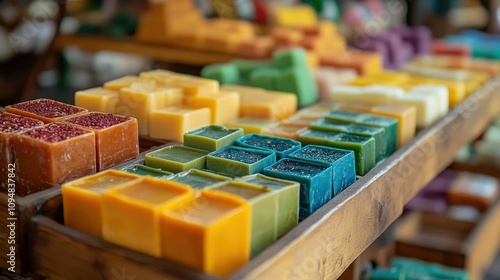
{"x":10,"y":124}
{"x":52,"y":154}
{"x":475,"y":190}
{"x":117,"y":137}
{"x":46,"y":110}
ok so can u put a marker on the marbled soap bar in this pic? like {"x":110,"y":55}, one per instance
{"x":82,"y":199}
{"x":117,"y":137}
{"x":341,"y":161}
{"x":131,"y":212}
{"x":211,"y":233}
{"x":45,"y":110}
{"x":199,"y":179}
{"x":264,"y":202}
{"x":144,"y":170}
{"x":52,"y":154}
{"x":252,"y":125}
{"x":10,"y":124}
{"x":213,"y":137}
{"x":364,"y":150}
{"x":224,"y":105}
{"x":240,"y":161}
{"x":177,"y":158}
{"x":284,"y":130}
{"x":288,"y":199}
{"x":315,"y":182}
{"x":377,"y":133}
{"x":179,"y":120}
{"x":281,"y":146}
{"x":97,"y":99}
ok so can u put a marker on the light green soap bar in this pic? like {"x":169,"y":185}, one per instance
{"x":299,"y":80}
{"x":177,"y":158}
{"x":245,"y":67}
{"x":266,"y":78}
{"x":198,"y":179}
{"x":224,"y":73}
{"x":290,"y":58}
{"x":213,"y":137}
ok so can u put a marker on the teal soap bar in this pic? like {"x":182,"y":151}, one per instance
{"x":281,"y":146}
{"x":240,"y":161}
{"x":198,"y":179}
{"x":317,"y":137}
{"x":224,"y":73}
{"x":342,"y":163}
{"x":213,"y":137}
{"x":266,"y":78}
{"x":390,"y":125}
{"x":144,"y":170}
{"x":300,"y":81}
{"x":359,"y":130}
{"x":315,"y":182}
{"x":290,"y":58}
{"x":245,"y":67}
{"x":363,"y":148}
{"x":288,"y":199}
{"x":177,"y":158}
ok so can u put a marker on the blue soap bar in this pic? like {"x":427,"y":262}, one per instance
{"x":240,"y":161}
{"x":342,"y":162}
{"x":281,"y":146}
{"x":315,"y":182}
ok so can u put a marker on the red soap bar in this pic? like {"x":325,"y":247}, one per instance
{"x":117,"y":137}
{"x":52,"y":154}
{"x":10,"y":124}
{"x":46,"y":110}
{"x":442,"y":48}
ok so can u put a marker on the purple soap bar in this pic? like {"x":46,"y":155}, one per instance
{"x":437,"y":188}
{"x":420,"y":38}
{"x":431,"y":205}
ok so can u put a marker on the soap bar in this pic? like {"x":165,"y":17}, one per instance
{"x":457,"y":90}
{"x":224,"y":106}
{"x":199,"y":179}
{"x":82,"y":199}
{"x":245,"y":67}
{"x":266,"y":78}
{"x":437,"y":91}
{"x":315,"y":182}
{"x":363,"y":62}
{"x":10,"y":124}
{"x":52,"y":154}
{"x":377,"y":133}
{"x":327,"y":77}
{"x":341,"y":161}
{"x":224,"y":73}
{"x":317,"y":137}
{"x":290,"y":58}
{"x":193,"y":86}
{"x":213,"y":137}
{"x":131,"y":212}
{"x":264,"y":203}
{"x":284,"y":130}
{"x":288,"y":199}
{"x":442,"y":48}
{"x":281,"y":146}
{"x":240,"y":161}
{"x":260,"y":47}
{"x":426,"y":105}
{"x":45,"y":110}
{"x":252,"y":125}
{"x":364,"y":150}
{"x":178,"y":120}
{"x":300,"y":81}
{"x":475,"y":190}
{"x":144,"y":170}
{"x":117,"y":138}
{"x":122,"y":82}
{"x":211,"y":233}
{"x":97,"y":99}
{"x":301,"y":120}
{"x":292,"y":16}
{"x":176,"y":158}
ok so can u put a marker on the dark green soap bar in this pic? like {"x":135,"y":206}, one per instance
{"x":363,"y":147}
{"x":281,"y":146}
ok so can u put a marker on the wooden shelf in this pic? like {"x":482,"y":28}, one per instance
{"x":130,"y":45}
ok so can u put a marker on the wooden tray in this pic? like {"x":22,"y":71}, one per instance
{"x":463,"y":244}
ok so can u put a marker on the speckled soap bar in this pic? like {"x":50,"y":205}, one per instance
{"x":46,"y":110}
{"x":240,"y":161}
{"x":281,"y":146}
{"x":144,"y":170}
{"x":198,"y":179}
{"x":363,"y":147}
{"x":341,"y":161}
{"x":315,"y":182}
{"x":213,"y":137}
{"x":177,"y":158}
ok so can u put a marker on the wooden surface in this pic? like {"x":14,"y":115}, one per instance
{"x":130,"y":45}
{"x":320,"y":247}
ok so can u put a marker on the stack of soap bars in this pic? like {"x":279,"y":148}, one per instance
{"x":47,"y":143}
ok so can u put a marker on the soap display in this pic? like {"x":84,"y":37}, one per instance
{"x":176,"y":158}
{"x":281,"y":146}
{"x":46,"y":110}
{"x":240,"y":161}
{"x":212,"y":137}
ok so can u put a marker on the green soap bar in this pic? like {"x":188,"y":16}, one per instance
{"x":245,"y":67}
{"x":213,"y":137}
{"x":288,"y":199}
{"x":317,"y":137}
{"x":363,"y":147}
{"x":198,"y":179}
{"x":264,"y":202}
{"x":224,"y":73}
{"x":359,"y":130}
{"x":177,"y":158}
{"x":390,"y":125}
{"x":144,"y":170}
{"x":266,"y":78}
{"x":299,"y":80}
{"x":240,"y":161}
{"x":290,"y":58}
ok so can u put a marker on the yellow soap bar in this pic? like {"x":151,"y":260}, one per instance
{"x":122,"y":82}
{"x":195,"y":85}
{"x":160,"y":76}
{"x":224,"y":105}
{"x":250,"y":125}
{"x":172,"y":122}
{"x":210,"y":233}
{"x":82,"y":199}
{"x":457,"y":90}
{"x":284,"y":130}
{"x":387,"y":78}
{"x":131,"y":212}
{"x":97,"y":99}
{"x":291,"y":16}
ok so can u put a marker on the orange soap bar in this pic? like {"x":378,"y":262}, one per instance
{"x":210,"y":233}
{"x":171,"y":123}
{"x":287,"y":36}
{"x":131,"y":212}
{"x":224,"y":105}
{"x":52,"y":154}
{"x":46,"y":110}
{"x":9,"y":125}
{"x":365,"y":63}
{"x":259,"y":47}
{"x":122,"y":82}
{"x":82,"y":199}
{"x":97,"y":99}
{"x":117,"y":137}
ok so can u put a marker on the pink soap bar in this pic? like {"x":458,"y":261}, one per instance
{"x":46,"y":110}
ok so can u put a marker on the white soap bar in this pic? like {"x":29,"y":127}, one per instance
{"x":345,"y":93}
{"x":379,"y":94}
{"x":427,"y":107}
{"x":432,"y":72}
{"x":440,"y":91}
